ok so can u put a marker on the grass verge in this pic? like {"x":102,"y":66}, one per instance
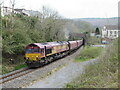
{"x":88,"y":53}
{"x":103,"y":74}
{"x":20,"y":66}
{"x":12,"y":66}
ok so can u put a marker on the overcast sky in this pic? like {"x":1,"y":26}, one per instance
{"x":73,"y":8}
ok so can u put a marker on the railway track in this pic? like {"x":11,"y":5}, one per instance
{"x":18,"y":73}
{"x":15,"y":74}
{"x":8,"y":77}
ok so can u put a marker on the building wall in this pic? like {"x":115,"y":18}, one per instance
{"x":6,"y":11}
{"x":112,"y":34}
{"x":104,"y":33}
{"x":109,"y":33}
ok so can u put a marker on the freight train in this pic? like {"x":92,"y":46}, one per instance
{"x":39,"y":54}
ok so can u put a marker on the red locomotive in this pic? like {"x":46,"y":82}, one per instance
{"x":38,"y":54}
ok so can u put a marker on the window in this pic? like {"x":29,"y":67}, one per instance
{"x":36,"y":50}
{"x":110,"y":32}
{"x":48,"y":51}
{"x":42,"y":50}
{"x":115,"y":32}
{"x":29,"y":50}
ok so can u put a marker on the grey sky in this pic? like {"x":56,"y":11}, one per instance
{"x":73,"y":8}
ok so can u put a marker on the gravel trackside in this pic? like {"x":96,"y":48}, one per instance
{"x":63,"y":76}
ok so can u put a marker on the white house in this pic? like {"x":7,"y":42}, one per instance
{"x":110,"y":31}
{"x":21,"y":11}
{"x":6,"y":11}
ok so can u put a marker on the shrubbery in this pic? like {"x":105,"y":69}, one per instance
{"x":20,"y":30}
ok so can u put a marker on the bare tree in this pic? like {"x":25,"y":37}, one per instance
{"x":47,"y":13}
{"x":12,"y":2}
{"x":51,"y":24}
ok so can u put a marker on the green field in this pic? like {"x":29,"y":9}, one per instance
{"x":88,"y":53}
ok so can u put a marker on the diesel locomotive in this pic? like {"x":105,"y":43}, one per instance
{"x":39,"y":54}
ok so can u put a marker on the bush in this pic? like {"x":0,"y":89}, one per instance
{"x":16,"y":42}
{"x":4,"y":70}
{"x":35,"y":36}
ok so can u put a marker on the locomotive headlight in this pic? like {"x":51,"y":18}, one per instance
{"x":27,"y":58}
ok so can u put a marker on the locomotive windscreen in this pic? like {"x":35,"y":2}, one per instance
{"x":32,"y":49}
{"x":36,"y":50}
{"x":29,"y":50}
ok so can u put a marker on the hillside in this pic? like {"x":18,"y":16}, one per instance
{"x":100,"y":22}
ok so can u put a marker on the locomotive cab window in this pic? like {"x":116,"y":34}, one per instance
{"x":48,"y":51}
{"x":36,"y":50}
{"x":29,"y":50}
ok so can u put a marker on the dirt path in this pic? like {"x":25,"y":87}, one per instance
{"x":66,"y":74}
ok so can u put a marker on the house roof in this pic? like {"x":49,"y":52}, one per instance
{"x":6,"y":7}
{"x":19,"y":10}
{"x":111,"y":27}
